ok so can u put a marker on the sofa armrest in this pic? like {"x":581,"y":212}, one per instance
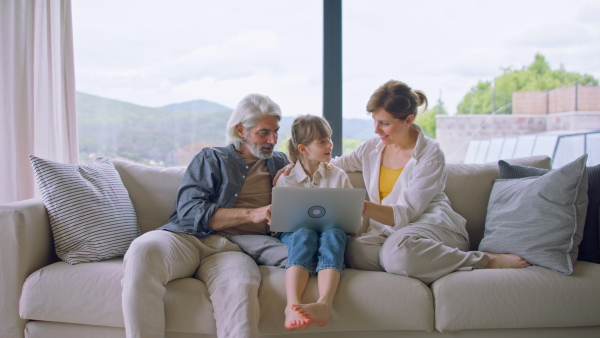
{"x":26,"y":245}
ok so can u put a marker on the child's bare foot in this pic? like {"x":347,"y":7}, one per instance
{"x":506,"y":261}
{"x":294,"y":319}
{"x":317,"y":312}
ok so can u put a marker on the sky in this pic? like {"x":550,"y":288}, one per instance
{"x":156,"y":52}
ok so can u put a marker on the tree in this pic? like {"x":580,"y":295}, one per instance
{"x":350,"y":144}
{"x":427,"y":120}
{"x":496,"y":95}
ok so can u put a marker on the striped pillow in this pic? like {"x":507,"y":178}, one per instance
{"x":91,"y":215}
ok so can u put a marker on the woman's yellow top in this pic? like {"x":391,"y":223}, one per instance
{"x":387,"y":180}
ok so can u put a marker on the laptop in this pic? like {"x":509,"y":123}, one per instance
{"x":318,"y":209}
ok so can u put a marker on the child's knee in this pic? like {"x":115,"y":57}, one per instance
{"x":335,"y":234}
{"x":305,"y":235}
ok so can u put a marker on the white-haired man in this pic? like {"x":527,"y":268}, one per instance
{"x":225,"y":191}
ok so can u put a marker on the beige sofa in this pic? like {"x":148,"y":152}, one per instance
{"x":41,"y":296}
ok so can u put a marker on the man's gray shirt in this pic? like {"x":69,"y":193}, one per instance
{"x":213,"y":180}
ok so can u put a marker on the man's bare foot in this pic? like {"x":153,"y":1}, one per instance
{"x":295,"y":320}
{"x":317,"y":312}
{"x":506,"y":261}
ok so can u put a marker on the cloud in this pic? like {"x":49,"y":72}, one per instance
{"x":589,"y":14}
{"x":220,"y":51}
{"x":256,"y":38}
{"x":556,"y":35}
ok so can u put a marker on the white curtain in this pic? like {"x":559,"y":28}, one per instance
{"x":37,"y":91}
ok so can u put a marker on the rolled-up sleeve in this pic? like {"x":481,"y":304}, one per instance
{"x":196,"y":196}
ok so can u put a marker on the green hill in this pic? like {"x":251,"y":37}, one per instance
{"x":197,"y":106}
{"x":170,"y":135}
{"x":120,"y":129}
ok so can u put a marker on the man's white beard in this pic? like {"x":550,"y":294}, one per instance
{"x":256,"y":149}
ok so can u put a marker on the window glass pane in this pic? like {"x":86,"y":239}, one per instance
{"x":593,"y":148}
{"x":136,"y":60}
{"x":544,"y":145}
{"x":508,"y":148}
{"x":568,"y":149}
{"x":524,"y":146}
{"x":493,"y":153}
{"x":482,"y":151}
{"x":472,"y":151}
{"x":446,"y":48}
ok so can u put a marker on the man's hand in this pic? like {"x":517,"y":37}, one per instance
{"x":261,"y":214}
{"x":230,"y":217}
{"x":285,"y":171}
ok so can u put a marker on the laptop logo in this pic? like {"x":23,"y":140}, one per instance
{"x":316,"y":212}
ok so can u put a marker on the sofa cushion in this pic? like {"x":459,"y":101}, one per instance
{"x":589,"y":248}
{"x":364,"y":301}
{"x":152,"y":191}
{"x":90,"y":294}
{"x":90,"y":212}
{"x":468,"y":188}
{"x":539,"y":218}
{"x":532,"y":297}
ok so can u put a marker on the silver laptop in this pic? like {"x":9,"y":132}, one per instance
{"x":318,"y":209}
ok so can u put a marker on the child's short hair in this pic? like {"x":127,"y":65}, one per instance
{"x":305,"y":129}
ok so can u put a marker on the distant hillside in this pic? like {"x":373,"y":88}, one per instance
{"x":121,"y":129}
{"x":198,"y":106}
{"x":166,"y":136}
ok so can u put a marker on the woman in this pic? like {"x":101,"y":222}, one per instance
{"x":413,"y":230}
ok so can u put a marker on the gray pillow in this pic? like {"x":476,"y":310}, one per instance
{"x":264,"y":249}
{"x":90,"y":213}
{"x":539,"y":218}
{"x":589,"y":248}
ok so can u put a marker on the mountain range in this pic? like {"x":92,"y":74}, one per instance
{"x":169,"y":135}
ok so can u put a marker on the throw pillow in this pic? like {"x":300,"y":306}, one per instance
{"x":90,"y":212}
{"x":539,"y":218}
{"x":589,"y":248}
{"x":264,"y":249}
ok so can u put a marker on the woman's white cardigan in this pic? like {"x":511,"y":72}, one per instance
{"x":418,"y":196}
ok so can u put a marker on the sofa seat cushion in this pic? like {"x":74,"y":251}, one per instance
{"x":90,"y":294}
{"x":364,"y":301}
{"x":532,"y":297}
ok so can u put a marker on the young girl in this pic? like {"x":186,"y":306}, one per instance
{"x":310,"y":151}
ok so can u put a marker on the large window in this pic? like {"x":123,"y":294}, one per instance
{"x":156,"y":80}
{"x":446,"y":47}
{"x":136,"y":60}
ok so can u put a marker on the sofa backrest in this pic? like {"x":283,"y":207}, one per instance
{"x":153,"y":190}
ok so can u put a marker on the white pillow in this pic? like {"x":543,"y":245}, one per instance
{"x":90,"y":212}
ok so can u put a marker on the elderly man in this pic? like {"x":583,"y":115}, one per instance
{"x":225,"y":190}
